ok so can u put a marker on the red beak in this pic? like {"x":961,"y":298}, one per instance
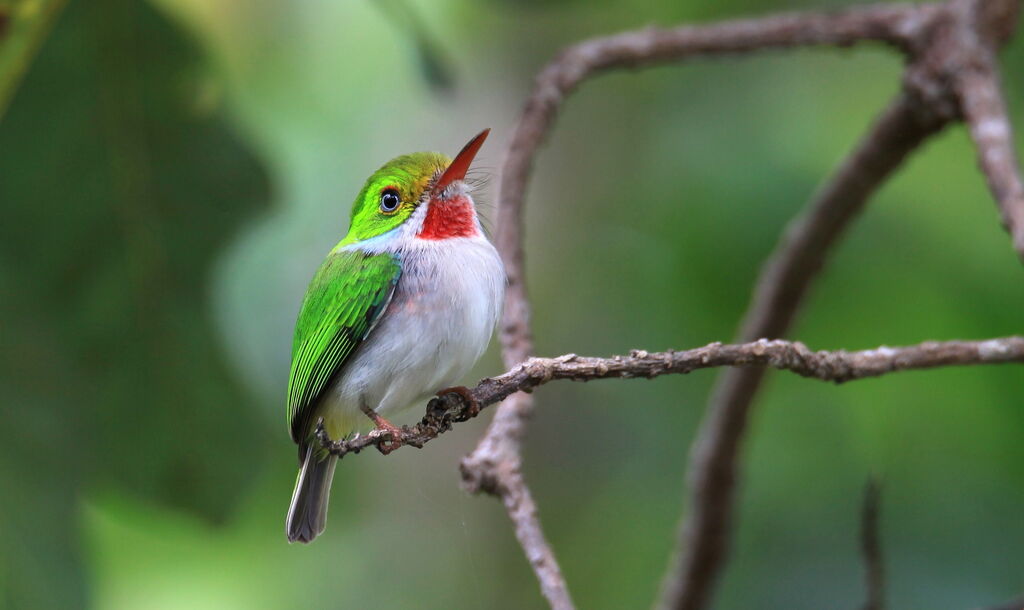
{"x":460,"y":165}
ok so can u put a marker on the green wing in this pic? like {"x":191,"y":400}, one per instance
{"x":347,"y":296}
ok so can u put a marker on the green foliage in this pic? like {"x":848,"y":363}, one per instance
{"x":116,"y":192}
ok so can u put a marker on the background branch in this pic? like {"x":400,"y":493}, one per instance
{"x":980,"y":95}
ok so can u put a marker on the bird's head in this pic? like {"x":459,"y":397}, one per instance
{"x":419,"y":196}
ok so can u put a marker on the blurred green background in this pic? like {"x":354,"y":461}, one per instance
{"x":172,"y":172}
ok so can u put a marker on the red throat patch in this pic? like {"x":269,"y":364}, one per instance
{"x":448,"y":218}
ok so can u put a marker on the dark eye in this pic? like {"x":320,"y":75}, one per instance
{"x":389,"y":200}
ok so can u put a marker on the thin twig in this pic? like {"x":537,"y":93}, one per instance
{"x":897,"y":24}
{"x":832,"y":366}
{"x":871,"y":547}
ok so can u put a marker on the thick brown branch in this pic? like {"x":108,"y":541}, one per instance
{"x":834,"y":366}
{"x":780,"y":289}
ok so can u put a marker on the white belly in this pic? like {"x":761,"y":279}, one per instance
{"x":436,"y":327}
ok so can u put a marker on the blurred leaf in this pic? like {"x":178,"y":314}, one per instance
{"x":117,"y":194}
{"x":23,"y":27}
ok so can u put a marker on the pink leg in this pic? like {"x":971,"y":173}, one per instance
{"x":395,"y":442}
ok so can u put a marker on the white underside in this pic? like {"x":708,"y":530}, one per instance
{"x":436,"y":327}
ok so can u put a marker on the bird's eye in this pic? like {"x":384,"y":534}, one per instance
{"x":389,"y":201}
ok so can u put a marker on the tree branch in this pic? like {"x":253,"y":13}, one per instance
{"x":834,"y":366}
{"x":899,"y":25}
{"x":977,"y":87}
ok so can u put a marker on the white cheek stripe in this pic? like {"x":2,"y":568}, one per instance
{"x":372,"y":243}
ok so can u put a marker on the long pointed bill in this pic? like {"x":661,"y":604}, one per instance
{"x":460,"y":165}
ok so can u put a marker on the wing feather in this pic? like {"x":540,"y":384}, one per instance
{"x":344,"y":302}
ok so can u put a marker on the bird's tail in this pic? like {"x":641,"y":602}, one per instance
{"x":307,"y":514}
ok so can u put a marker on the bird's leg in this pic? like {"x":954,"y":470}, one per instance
{"x":383,"y":424}
{"x":472,"y":406}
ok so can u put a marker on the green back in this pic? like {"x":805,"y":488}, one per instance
{"x":347,"y":296}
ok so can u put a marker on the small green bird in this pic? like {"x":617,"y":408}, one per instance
{"x":400,"y":308}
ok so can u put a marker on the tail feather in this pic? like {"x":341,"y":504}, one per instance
{"x":307,"y":515}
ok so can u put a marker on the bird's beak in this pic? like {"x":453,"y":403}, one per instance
{"x":460,"y":165}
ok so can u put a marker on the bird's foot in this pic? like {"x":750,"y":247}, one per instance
{"x":472,"y":406}
{"x":385,"y":447}
{"x":321,"y":433}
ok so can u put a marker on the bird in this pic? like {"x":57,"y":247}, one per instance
{"x":399,"y":310}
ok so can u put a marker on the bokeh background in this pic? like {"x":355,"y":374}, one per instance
{"x":172,"y":172}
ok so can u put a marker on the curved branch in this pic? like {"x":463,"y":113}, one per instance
{"x":896,"y":24}
{"x":834,"y":366}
